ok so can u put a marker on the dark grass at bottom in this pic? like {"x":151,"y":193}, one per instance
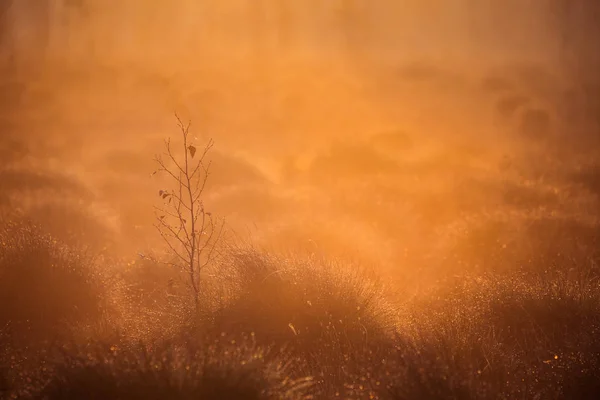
{"x":224,"y":368}
{"x":315,"y":329}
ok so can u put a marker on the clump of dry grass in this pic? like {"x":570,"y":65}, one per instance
{"x":154,"y":300}
{"x":46,"y":286}
{"x":49,"y":292}
{"x":222,"y":368}
{"x":325,"y":313}
{"x":514,"y":335}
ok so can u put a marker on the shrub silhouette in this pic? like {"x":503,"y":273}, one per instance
{"x":45,"y":286}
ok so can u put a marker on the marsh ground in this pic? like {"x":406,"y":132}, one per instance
{"x":411,"y":231}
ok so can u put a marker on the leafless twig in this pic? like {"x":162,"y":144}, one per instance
{"x":189,"y":231}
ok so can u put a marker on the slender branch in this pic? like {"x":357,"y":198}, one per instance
{"x":173,"y":159}
{"x":175,"y":236}
{"x":171,"y":247}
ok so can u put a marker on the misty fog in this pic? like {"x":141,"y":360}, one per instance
{"x":90,"y":89}
{"x":402,"y":199}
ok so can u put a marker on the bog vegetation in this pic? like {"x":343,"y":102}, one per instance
{"x":427,"y":222}
{"x":494,"y":292}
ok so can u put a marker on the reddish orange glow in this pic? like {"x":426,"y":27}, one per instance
{"x":450,"y":148}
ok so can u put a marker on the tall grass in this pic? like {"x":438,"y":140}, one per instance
{"x":329,"y":315}
{"x":223,"y":368}
{"x":283,"y":319}
{"x":516,"y":336}
{"x":45,"y":286}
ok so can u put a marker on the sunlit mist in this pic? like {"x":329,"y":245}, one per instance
{"x":303,"y":188}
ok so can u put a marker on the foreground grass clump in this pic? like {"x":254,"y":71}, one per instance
{"x":516,"y":336}
{"x":489,"y":336}
{"x":48,"y":292}
{"x":45,"y":286}
{"x":224,"y":368}
{"x":332,"y":316}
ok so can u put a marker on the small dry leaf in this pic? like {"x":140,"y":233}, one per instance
{"x":293,"y":329}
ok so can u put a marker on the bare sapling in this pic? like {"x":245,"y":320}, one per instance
{"x":190,"y":232}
